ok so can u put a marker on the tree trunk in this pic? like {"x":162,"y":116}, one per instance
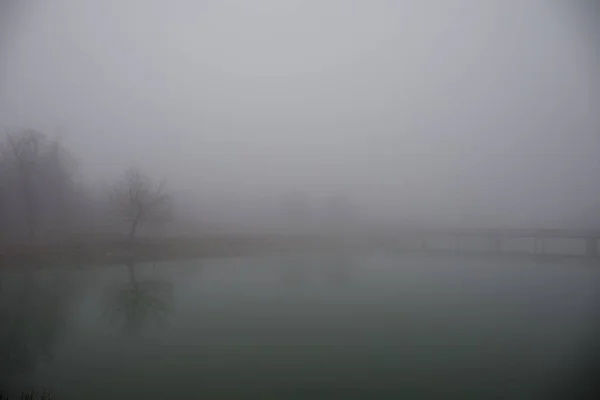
{"x":30,"y":209}
{"x":133,"y":229}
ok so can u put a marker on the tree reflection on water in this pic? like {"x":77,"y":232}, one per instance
{"x":33,"y":310}
{"x":131,"y":305}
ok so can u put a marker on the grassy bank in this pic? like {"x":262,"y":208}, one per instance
{"x":75,"y":252}
{"x":87,"y":252}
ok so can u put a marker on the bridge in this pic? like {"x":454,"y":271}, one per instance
{"x":496,"y":237}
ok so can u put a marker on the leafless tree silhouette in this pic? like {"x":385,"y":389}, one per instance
{"x":136,"y":199}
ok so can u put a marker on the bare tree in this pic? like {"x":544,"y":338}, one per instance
{"x":136,"y":198}
{"x":23,"y":151}
{"x":37,"y":189}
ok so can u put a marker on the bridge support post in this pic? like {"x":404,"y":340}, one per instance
{"x":591,"y":247}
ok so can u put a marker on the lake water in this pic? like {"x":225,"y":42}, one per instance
{"x":298,"y":326}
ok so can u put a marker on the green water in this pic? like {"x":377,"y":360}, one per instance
{"x":297,"y":326}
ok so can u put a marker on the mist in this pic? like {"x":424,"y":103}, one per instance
{"x":299,"y":198}
{"x":465,"y":113}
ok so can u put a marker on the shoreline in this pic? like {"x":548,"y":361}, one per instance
{"x":146,"y":249}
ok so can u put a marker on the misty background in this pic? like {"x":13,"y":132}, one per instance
{"x":422,"y":113}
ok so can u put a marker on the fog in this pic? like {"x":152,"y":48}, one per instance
{"x":296,"y":198}
{"x":462,"y":113}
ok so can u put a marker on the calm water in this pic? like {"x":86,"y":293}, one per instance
{"x":302,"y":326}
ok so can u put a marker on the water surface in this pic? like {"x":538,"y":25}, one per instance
{"x":297,"y":326}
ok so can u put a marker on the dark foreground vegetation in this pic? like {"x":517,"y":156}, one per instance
{"x":28,"y":396}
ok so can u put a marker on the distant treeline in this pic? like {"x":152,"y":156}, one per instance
{"x":43,"y":198}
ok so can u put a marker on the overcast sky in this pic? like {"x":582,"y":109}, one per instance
{"x":450,"y":110}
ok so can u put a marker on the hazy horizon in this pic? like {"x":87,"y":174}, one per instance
{"x":440,"y":112}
